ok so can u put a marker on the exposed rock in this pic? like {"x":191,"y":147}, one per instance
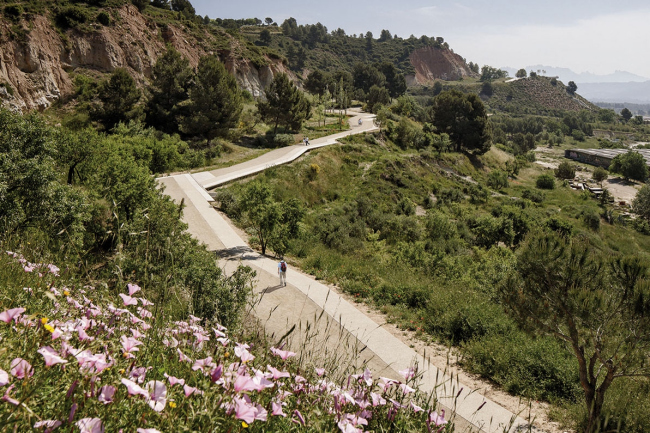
{"x":432,"y":63}
{"x":38,"y":68}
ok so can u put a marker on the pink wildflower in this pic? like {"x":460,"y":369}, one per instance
{"x":147,"y":430}
{"x":243,"y":354}
{"x":284,"y":354}
{"x":128,"y":300}
{"x":145,"y":303}
{"x":436,"y":419}
{"x":4,"y":377}
{"x":406,"y":389}
{"x":276,"y":409}
{"x":90,"y":425}
{"x":277,"y":374}
{"x":21,"y":368}
{"x":157,"y":395}
{"x":106,"y":394}
{"x":244,"y":411}
{"x":51,"y":356}
{"x":129,"y":344}
{"x":301,"y":419}
{"x":49,"y":424}
{"x":408,"y":373}
{"x":320,"y":371}
{"x":133,"y":388}
{"x":199,"y":364}
{"x":8,"y":398}
{"x":189,"y":390}
{"x":174,"y":380}
{"x":182,"y":357}
{"x":216,"y":373}
{"x":133,"y":288}
{"x":9,"y":315}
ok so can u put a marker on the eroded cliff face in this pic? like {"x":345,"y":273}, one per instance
{"x":432,"y":63}
{"x":38,"y":67}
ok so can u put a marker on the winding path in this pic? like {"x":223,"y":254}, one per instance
{"x":327,"y":326}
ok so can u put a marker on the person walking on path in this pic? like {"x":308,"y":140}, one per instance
{"x":282,"y":272}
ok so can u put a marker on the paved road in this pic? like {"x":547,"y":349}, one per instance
{"x":327,"y":326}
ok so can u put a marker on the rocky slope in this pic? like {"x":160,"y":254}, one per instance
{"x":432,"y":63}
{"x":35,"y":70}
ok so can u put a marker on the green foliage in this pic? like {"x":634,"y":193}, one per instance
{"x":533,"y":195}
{"x":119,"y":96}
{"x":571,"y":88}
{"x":215,"y":101}
{"x":497,"y":179}
{"x":487,"y":89}
{"x":591,"y":220}
{"x":71,"y":17}
{"x":285,"y":105}
{"x":562,"y":289}
{"x":140,"y":4}
{"x":464,"y":118}
{"x":488,"y":73}
{"x":103,"y":18}
{"x":377,"y":97}
{"x":545,"y":181}
{"x":630,"y":165}
{"x":170,"y":84}
{"x":600,"y":174}
{"x":641,"y":203}
{"x":13,"y":12}
{"x":521,"y":73}
{"x":565,"y":170}
{"x":626,"y":114}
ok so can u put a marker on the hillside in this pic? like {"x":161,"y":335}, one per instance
{"x":44,"y":46}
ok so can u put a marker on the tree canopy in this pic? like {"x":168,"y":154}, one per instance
{"x":630,"y":165}
{"x":215,"y":101}
{"x":464,"y":119}
{"x":285,"y":105}
{"x":119,"y":96}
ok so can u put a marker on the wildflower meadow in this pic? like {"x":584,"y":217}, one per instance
{"x":89,"y":359}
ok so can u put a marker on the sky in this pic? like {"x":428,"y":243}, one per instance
{"x":597,"y":36}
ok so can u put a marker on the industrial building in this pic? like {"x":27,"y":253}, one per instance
{"x":602,"y":157}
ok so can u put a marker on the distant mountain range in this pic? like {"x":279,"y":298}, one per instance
{"x":620,"y":86}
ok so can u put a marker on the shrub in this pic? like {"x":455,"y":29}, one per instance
{"x":13,"y":12}
{"x":578,"y":135}
{"x":534,"y":196}
{"x":313,"y":172}
{"x":566,"y":170}
{"x":451,"y":195}
{"x":591,"y":220}
{"x":283,"y":140}
{"x":71,"y":17}
{"x":497,"y":179}
{"x":545,"y":181}
{"x":103,"y":18}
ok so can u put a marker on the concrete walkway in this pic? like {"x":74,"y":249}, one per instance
{"x":327,"y":325}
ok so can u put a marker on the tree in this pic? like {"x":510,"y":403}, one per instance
{"x":268,"y":21}
{"x":497,"y":179}
{"x":600,"y":311}
{"x":265,"y":36}
{"x":488,"y":73}
{"x":464,"y":118}
{"x":630,"y":165}
{"x":170,"y":84}
{"x":641,"y":203}
{"x":385,"y":36}
{"x":565,"y":170}
{"x":285,"y":105}
{"x":119,"y":96}
{"x":599,"y":175}
{"x":626,"y":114}
{"x":140,"y":4}
{"x":215,"y":101}
{"x":183,"y":6}
{"x":571,"y":87}
{"x":365,"y":76}
{"x":521,"y":73}
{"x":395,"y":81}
{"x":487,"y":89}
{"x":317,"y":82}
{"x":381,"y":120}
{"x":162,"y":4}
{"x":377,"y":96}
{"x":262,"y":213}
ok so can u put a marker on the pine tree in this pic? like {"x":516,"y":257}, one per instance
{"x":285,"y":105}
{"x":215,"y":101}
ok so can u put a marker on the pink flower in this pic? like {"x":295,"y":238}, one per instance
{"x":82,"y":335}
{"x":106,"y":394}
{"x":145,"y":303}
{"x":199,"y":364}
{"x":90,"y":425}
{"x":51,"y":356}
{"x":133,"y":388}
{"x":133,"y":288}
{"x":320,"y":371}
{"x":244,"y":383}
{"x":415,"y":407}
{"x":301,"y":419}
{"x":216,"y":373}
{"x":243,"y":354}
{"x":128,"y":300}
{"x":284,"y":354}
{"x":182,"y":357}
{"x":276,"y":409}
{"x":436,"y":419}
{"x":9,"y":315}
{"x":244,"y":411}
{"x":189,"y":390}
{"x":8,"y":398}
{"x":49,"y":424}
{"x":147,"y":430}
{"x":4,"y":377}
{"x":406,"y":389}
{"x":145,"y":314}
{"x":408,"y":373}
{"x":386,"y":383}
{"x":129,"y":344}
{"x":277,"y":374}
{"x":21,"y":368}
{"x":157,"y":395}
{"x":174,"y":380}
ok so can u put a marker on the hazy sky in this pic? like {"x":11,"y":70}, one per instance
{"x":598,"y":36}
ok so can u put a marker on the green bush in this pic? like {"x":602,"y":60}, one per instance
{"x":13,"y":12}
{"x":103,"y":18}
{"x":532,"y":195}
{"x":591,"y":220}
{"x":545,"y":181}
{"x":565,"y":170}
{"x":497,"y":179}
{"x":71,"y":17}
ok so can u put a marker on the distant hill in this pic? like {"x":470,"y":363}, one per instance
{"x":638,"y":93}
{"x":566,"y":75}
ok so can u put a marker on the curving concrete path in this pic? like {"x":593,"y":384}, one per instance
{"x":327,"y":326}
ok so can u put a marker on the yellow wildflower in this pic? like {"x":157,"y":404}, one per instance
{"x":172,"y":404}
{"x":243,"y":424}
{"x":121,"y":371}
{"x":49,"y":328}
{"x":44,"y":320}
{"x":66,"y":293}
{"x":226,"y":355}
